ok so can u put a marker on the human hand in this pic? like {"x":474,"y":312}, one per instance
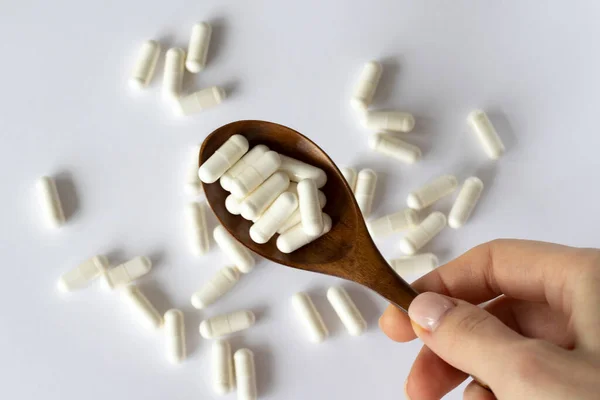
{"x":539,"y":340}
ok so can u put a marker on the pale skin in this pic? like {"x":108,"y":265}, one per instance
{"x":538,"y":339}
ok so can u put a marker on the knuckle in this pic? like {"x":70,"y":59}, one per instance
{"x":472,"y":323}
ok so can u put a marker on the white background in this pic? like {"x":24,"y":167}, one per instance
{"x":121,"y":159}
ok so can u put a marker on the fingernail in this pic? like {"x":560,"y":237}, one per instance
{"x":427,"y":310}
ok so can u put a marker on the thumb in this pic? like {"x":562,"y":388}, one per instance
{"x":464,"y":335}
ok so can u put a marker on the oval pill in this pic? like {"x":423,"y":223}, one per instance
{"x":175,"y":336}
{"x":432,"y":192}
{"x":173,"y":75}
{"x":198,"y":47}
{"x":366,"y":183}
{"x":193,"y":186}
{"x":310,"y":209}
{"x":222,"y":367}
{"x":50,"y":202}
{"x":485,"y":131}
{"x":296,"y":218}
{"x":298,"y":170}
{"x":245,"y":374}
{"x":200,"y":100}
{"x":465,"y":202}
{"x":198,"y":231}
{"x":350,"y":176}
{"x":345,"y":308}
{"x":81,"y":276}
{"x":395,"y":148}
{"x":145,"y":65}
{"x":392,"y":121}
{"x":276,"y":215}
{"x":393,"y":223}
{"x":309,"y":317}
{"x":223,"y":159}
{"x":249,"y":158}
{"x":127,"y":272}
{"x":414,"y":265}
{"x":295,"y":237}
{"x":226,"y":323}
{"x":255,"y":174}
{"x":145,"y":310}
{"x":234,"y":250}
{"x":366,"y":85}
{"x":258,"y":201}
{"x":422,"y":234}
{"x":220,"y":284}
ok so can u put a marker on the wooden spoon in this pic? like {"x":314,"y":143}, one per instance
{"x":347,"y":251}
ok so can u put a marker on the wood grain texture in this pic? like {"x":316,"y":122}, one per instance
{"x":347,"y":251}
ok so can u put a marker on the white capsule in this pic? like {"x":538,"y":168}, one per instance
{"x":233,"y":205}
{"x":223,"y":159}
{"x":366,"y":86}
{"x":310,"y":209}
{"x":393,"y":223}
{"x":392,"y":121}
{"x":81,"y":276}
{"x":294,"y":238}
{"x":198,"y":231}
{"x":345,"y":308}
{"x":395,"y":148}
{"x":198,"y":47}
{"x":296,"y":218}
{"x":432,"y":192}
{"x":226,"y":323}
{"x":419,"y":236}
{"x":146,"y":312}
{"x":485,"y":131}
{"x":220,"y":284}
{"x":249,"y":158}
{"x":173,"y":75}
{"x":258,"y":201}
{"x":50,"y":202}
{"x":222,"y":367}
{"x":414,"y":265}
{"x":293,"y":188}
{"x":193,"y":186}
{"x":234,"y":250}
{"x":366,"y":183}
{"x":245,"y":374}
{"x":309,"y":317}
{"x":200,"y":100}
{"x":175,"y":336}
{"x":255,"y":174}
{"x":263,"y":230}
{"x":127,"y":272}
{"x":350,"y":176}
{"x":145,"y":64}
{"x":298,"y":170}
{"x":465,"y":202}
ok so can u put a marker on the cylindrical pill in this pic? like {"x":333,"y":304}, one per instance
{"x":345,"y":308}
{"x":294,"y":238}
{"x":309,"y":317}
{"x":393,"y":223}
{"x":255,"y":174}
{"x":465,"y":202}
{"x":298,"y":170}
{"x":366,"y":86}
{"x":245,"y":374}
{"x":222,"y":367}
{"x":485,"y":131}
{"x":414,"y":265}
{"x":395,"y":148}
{"x":173,"y":75}
{"x":296,"y":218}
{"x":234,"y":250}
{"x":50,"y":202}
{"x":249,"y":158}
{"x":146,"y":312}
{"x":419,"y":236}
{"x":392,"y":121}
{"x":226,"y":323}
{"x":275,"y":216}
{"x":432,"y":192}
{"x":198,"y":47}
{"x":258,"y":201}
{"x":310,"y":209}
{"x":350,"y":176}
{"x":366,"y":183}
{"x":198,"y":231}
{"x":221,"y":283}
{"x":193,"y":186}
{"x":200,"y":100}
{"x":175,"y":336}
{"x":143,"y":71}
{"x":81,"y":276}
{"x":223,"y":159}
{"x":127,"y":272}
{"x":233,"y":205}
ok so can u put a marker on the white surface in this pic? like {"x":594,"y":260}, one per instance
{"x":67,"y":110}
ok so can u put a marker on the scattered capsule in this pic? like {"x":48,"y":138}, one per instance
{"x":245,"y":374}
{"x":392,"y":121}
{"x":145,"y":65}
{"x":465,"y":202}
{"x":50,"y":202}
{"x":198,"y":47}
{"x":249,"y":158}
{"x":147,"y":313}
{"x":193,"y":185}
{"x":395,"y":148}
{"x":81,"y":276}
{"x":414,"y":265}
{"x":432,"y":192}
{"x":258,"y":201}
{"x":485,"y":131}
{"x":175,"y":336}
{"x":366,"y":86}
{"x":309,"y":317}
{"x":220,"y":284}
{"x":200,"y":100}
{"x":296,"y":218}
{"x":255,"y":174}
{"x":350,"y":176}
{"x":310,"y":209}
{"x":222,"y":367}
{"x":263,"y":230}
{"x":393,"y":223}
{"x":345,"y":308}
{"x":422,"y":234}
{"x":234,"y":250}
{"x":223,"y":159}
{"x":198,"y":231}
{"x":127,"y":272}
{"x":366,"y":183}
{"x":226,"y":323}
{"x":294,"y":238}
{"x":173,"y":75}
{"x":298,"y":170}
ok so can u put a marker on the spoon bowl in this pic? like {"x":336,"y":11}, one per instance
{"x":347,"y":251}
